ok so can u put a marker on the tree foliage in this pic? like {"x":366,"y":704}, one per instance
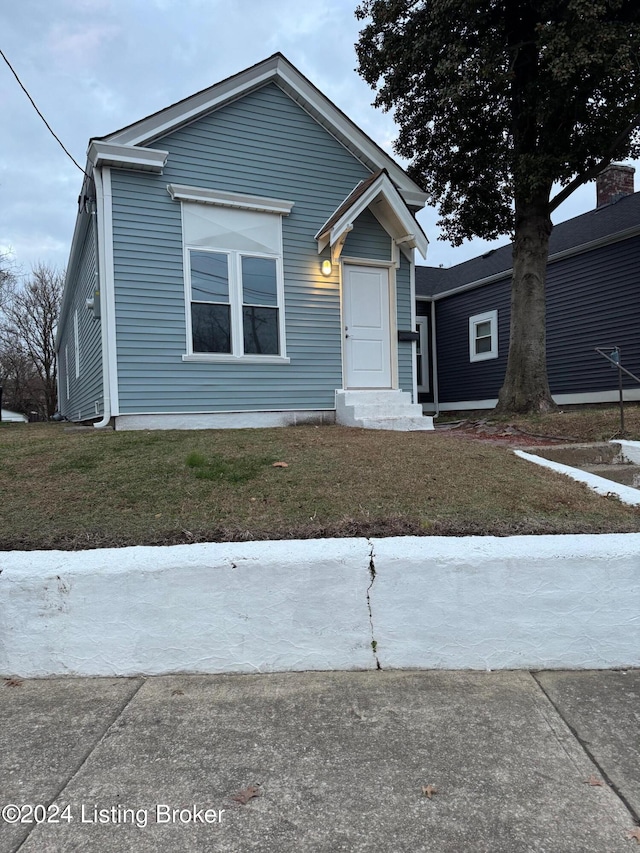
{"x":27,"y":340}
{"x":496,"y":102}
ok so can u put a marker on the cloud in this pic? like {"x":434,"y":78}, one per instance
{"x":78,"y":47}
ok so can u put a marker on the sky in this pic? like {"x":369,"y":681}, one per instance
{"x":94,"y":66}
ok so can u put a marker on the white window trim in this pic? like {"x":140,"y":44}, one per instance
{"x":488,"y":316}
{"x":227,"y":199}
{"x":76,"y":343}
{"x":236,"y":302}
{"x":422,"y":326}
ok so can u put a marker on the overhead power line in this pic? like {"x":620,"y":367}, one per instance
{"x":35,"y":106}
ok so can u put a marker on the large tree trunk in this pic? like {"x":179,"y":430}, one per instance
{"x":526,"y":387}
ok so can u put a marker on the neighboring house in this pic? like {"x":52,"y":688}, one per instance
{"x":242,"y":258}
{"x":7,"y":416}
{"x":593,"y":300}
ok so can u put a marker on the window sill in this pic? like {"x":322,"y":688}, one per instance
{"x":483,"y":357}
{"x":213,"y":358}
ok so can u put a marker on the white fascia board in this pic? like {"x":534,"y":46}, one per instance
{"x":220,"y":198}
{"x":126,"y":156}
{"x":278,"y":70}
{"x":402,"y":223}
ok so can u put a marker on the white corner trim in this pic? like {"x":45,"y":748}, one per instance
{"x":126,"y":156}
{"x":597,"y":484}
{"x":107,"y":292}
{"x":101,"y":268}
{"x":178,"y":192}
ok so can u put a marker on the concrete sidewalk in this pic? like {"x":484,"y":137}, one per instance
{"x":520,"y":762}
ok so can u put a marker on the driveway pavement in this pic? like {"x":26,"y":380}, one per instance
{"x":339,"y":761}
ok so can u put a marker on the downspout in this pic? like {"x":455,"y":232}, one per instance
{"x":106,"y":384}
{"x":434,"y":359}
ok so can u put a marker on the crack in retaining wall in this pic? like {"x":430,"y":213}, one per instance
{"x":372,"y":575}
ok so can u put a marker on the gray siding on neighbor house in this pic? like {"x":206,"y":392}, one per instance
{"x":263,"y":144}
{"x":86,"y":390}
{"x":592,"y":301}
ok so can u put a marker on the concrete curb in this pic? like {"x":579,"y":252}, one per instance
{"x":455,"y":603}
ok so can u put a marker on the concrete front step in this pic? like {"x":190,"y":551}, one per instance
{"x":380,"y":409}
{"x":401,"y":424}
{"x":387,"y":410}
{"x":352,"y":398}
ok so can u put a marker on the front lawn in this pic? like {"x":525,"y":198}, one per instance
{"x":88,"y":489}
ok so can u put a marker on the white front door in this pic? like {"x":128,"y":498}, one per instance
{"x":366,"y":316}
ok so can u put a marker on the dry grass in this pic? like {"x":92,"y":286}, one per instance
{"x":73,"y":490}
{"x":597,"y":423}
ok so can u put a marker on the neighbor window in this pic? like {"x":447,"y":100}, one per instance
{"x":483,"y":336}
{"x":234,"y":284}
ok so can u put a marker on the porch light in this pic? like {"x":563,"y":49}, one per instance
{"x":326,"y":268}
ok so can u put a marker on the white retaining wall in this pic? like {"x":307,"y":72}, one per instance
{"x":445,"y":602}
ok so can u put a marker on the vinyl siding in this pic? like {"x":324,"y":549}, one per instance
{"x":263,"y":144}
{"x":592,"y":301}
{"x":87,"y":389}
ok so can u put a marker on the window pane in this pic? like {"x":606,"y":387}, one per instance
{"x":209,"y":277}
{"x":211,"y":327}
{"x":259,"y":281}
{"x":483,"y":329}
{"x":483,"y":345}
{"x":260,"y":330}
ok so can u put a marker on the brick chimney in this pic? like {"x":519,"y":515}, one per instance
{"x":613,"y":183}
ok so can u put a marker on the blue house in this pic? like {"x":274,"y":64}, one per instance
{"x":243,"y":258}
{"x":592,"y":301}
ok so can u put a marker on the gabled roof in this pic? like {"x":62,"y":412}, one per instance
{"x":379,"y":194}
{"x":276,"y":69}
{"x":603,"y":225}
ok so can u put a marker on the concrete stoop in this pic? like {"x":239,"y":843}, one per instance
{"x":390,"y":410}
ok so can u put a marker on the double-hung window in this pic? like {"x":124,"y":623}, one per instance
{"x":233,"y":276}
{"x":483,"y":336}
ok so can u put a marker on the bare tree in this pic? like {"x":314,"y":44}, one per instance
{"x":22,"y":389}
{"x":7,"y":275}
{"x":31,"y":310}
